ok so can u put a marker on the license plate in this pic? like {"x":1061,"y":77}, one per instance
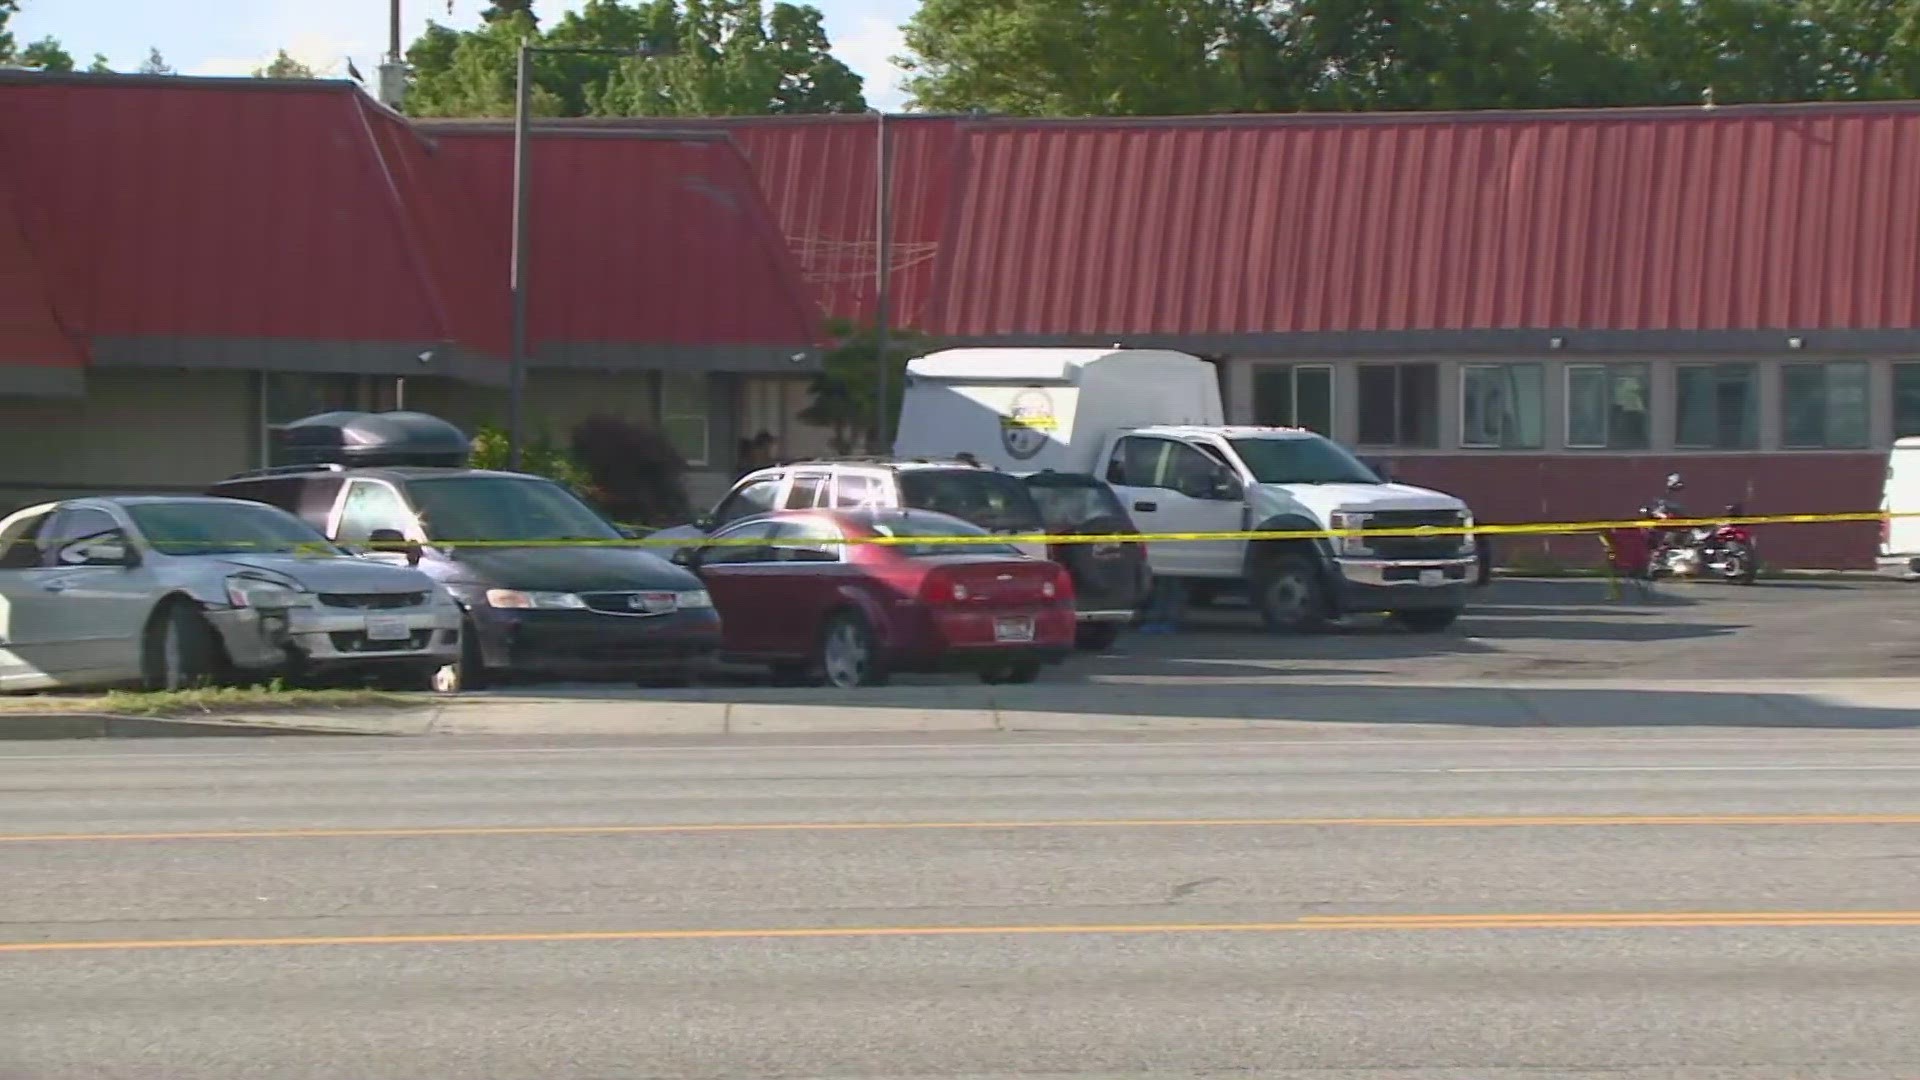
{"x":387,"y":628}
{"x":1018,"y":628}
{"x":1432,"y":577}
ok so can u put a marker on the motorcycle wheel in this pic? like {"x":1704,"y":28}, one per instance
{"x":1738,"y":565}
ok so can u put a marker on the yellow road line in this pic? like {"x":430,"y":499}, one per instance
{"x":1556,"y":821}
{"x":1382,"y":923}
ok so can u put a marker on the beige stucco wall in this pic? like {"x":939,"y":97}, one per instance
{"x":134,"y":431}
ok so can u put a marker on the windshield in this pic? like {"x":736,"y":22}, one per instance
{"x":908,"y":525}
{"x":1068,"y":502}
{"x":202,"y":528}
{"x":1302,"y":461}
{"x":991,"y":500}
{"x":503,"y":508}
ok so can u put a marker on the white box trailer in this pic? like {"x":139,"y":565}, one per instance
{"x":1029,"y":410}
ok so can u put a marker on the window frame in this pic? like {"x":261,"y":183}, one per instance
{"x":1826,"y":369}
{"x":30,"y":527}
{"x":794,"y":479}
{"x":1400,"y":369}
{"x":1160,"y":462}
{"x":1607,"y":368}
{"x":1754,"y":377}
{"x":777,"y":482}
{"x":673,"y":411}
{"x":52,"y":540}
{"x":788,"y":536}
{"x":877,"y":483}
{"x":1893,"y":406}
{"x":763,"y":552}
{"x":1291,"y":372}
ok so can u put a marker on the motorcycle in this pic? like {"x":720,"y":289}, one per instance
{"x":1725,"y":550}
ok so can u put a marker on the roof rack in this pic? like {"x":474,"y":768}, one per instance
{"x":282,"y":470}
{"x":962,"y":458}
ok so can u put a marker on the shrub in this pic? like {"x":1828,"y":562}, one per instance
{"x":538,"y":457}
{"x":633,"y":471}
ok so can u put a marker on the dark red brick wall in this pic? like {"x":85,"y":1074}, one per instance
{"x":1509,"y":489}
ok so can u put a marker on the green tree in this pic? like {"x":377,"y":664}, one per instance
{"x":155,"y":64}
{"x":100,"y":65}
{"x":8,"y":9}
{"x":848,"y":384}
{"x":508,"y":10}
{"x":477,"y":78}
{"x":283,"y":66}
{"x":46,"y":55}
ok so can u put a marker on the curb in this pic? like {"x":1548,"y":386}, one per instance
{"x":46,"y":726}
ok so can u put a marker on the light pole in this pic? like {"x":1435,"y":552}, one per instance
{"x":883,"y":257}
{"x":517,"y":279}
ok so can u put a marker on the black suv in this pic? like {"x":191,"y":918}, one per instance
{"x":1110,"y":579}
{"x":390,"y":486}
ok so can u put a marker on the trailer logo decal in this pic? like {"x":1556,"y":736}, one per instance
{"x":1028,"y":423}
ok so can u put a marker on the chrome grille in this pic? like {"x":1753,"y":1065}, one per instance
{"x":373,"y":601}
{"x":658,"y":602}
{"x":1415,"y":547}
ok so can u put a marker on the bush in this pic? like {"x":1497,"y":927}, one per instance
{"x":633,"y":471}
{"x":539,"y":457}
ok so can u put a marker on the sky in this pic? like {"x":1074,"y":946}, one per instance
{"x":233,"y":37}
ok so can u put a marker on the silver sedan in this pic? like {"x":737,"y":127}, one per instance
{"x":168,"y":592}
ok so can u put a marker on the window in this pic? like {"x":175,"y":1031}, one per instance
{"x":1906,"y":400}
{"x":18,"y":547}
{"x":739,"y":551}
{"x":370,"y":507}
{"x":1718,"y":406}
{"x":1400,"y":405}
{"x":1501,"y":406}
{"x":683,"y":414}
{"x":208,"y":528}
{"x":803,"y":541}
{"x":1136,"y":462}
{"x":859,"y":491}
{"x":903,"y":525}
{"x":1297,"y":395}
{"x":991,"y":500}
{"x":503,"y":508}
{"x":756,"y":497}
{"x":74,"y":532}
{"x":1068,"y":501}
{"x":1607,"y":406}
{"x":1190,"y":472}
{"x":806,"y":490}
{"x":1824,"y":406}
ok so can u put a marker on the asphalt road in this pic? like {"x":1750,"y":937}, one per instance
{"x":1483,"y":905}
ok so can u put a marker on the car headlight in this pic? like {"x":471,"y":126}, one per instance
{"x":1342,"y":521}
{"x":527,"y":601}
{"x":253,"y":592}
{"x":1467,"y":543}
{"x":694,"y":600}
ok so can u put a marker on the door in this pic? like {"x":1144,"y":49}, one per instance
{"x":803,"y":582}
{"x":367,"y":507}
{"x":97,"y":605}
{"x":25,"y":631}
{"x":727,"y":570}
{"x":1169,"y":487}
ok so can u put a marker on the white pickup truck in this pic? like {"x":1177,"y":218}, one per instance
{"x":1150,"y":422}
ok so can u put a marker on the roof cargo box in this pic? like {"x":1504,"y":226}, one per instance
{"x":374,"y":439}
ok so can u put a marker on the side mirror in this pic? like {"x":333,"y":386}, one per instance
{"x":627,"y":532}
{"x":687,"y":557}
{"x":705,"y":523}
{"x":107,"y":552}
{"x":394,"y":540}
{"x":1380,"y":468}
{"x":1227,"y":488}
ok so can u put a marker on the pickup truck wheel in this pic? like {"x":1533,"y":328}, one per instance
{"x":1427,"y":620}
{"x":1290,"y":595}
{"x":1096,"y":637}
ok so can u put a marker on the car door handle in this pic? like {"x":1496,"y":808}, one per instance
{"x":1146,"y":507}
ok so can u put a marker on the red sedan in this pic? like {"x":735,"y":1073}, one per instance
{"x":810,"y":605}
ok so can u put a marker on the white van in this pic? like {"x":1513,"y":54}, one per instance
{"x":1150,"y":423}
{"x":1900,"y":536}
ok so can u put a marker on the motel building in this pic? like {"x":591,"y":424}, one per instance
{"x":1542,"y":312}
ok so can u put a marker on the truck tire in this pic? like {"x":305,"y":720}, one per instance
{"x":1290,"y":594}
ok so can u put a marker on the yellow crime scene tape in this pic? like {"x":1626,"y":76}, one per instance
{"x":1524,"y":529}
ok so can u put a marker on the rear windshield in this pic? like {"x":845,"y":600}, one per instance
{"x":992,"y":500}
{"x":1068,"y":501}
{"x":506,"y":508}
{"x":908,"y":525}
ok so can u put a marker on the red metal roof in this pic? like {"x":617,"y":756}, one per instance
{"x":637,"y":238}
{"x":1797,"y":217}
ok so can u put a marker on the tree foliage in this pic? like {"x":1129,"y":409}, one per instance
{"x":1144,"y":57}
{"x":155,"y":64}
{"x":849,"y":383}
{"x":283,"y":66}
{"x":43,"y":55}
{"x":689,"y":57}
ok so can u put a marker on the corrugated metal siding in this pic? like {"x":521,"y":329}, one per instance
{"x":30,"y":332}
{"x":1758,"y":218}
{"x":642,"y":240}
{"x":201,"y":210}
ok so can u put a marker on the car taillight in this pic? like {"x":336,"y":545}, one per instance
{"x":1060,"y":588}
{"x":938,"y":588}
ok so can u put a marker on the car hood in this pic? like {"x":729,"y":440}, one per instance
{"x":1324,"y":499}
{"x":571,"y":569}
{"x":334,"y":574}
